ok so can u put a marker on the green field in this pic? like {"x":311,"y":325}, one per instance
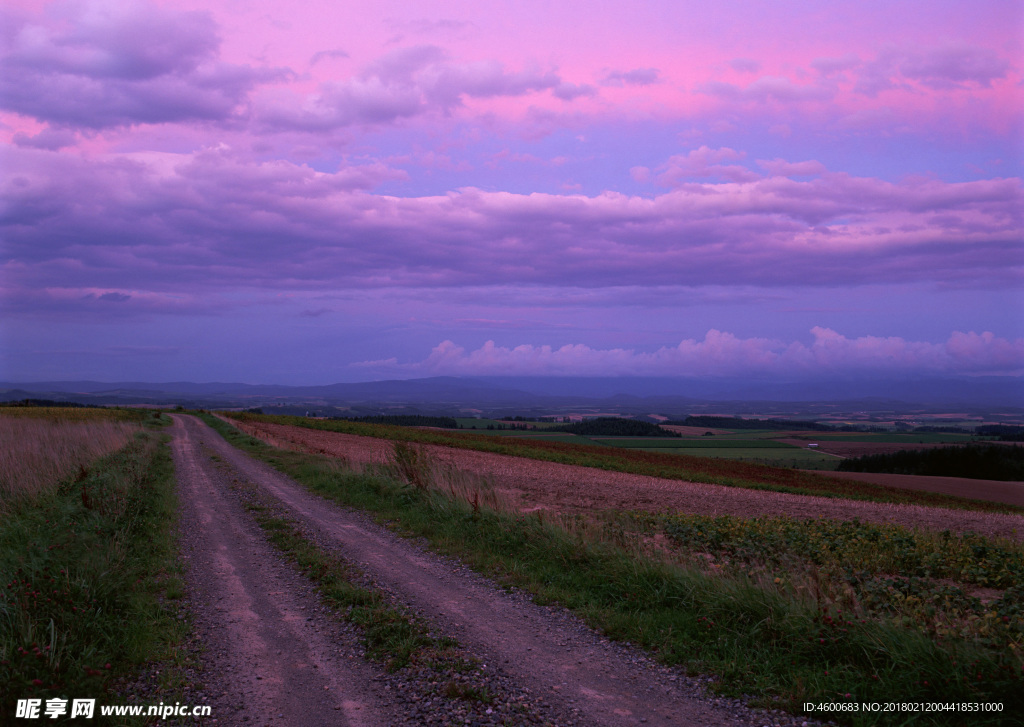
{"x":893,"y":438}
{"x":773,"y":456}
{"x":750,"y":434}
{"x":706,"y":443}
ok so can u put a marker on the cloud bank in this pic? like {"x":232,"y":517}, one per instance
{"x":215,"y":218}
{"x":722,"y":354}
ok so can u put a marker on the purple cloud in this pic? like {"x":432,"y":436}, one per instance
{"x":635,"y":77}
{"x":213,"y":219}
{"x":832,"y":66}
{"x":745,"y":65}
{"x":724,"y":354}
{"x":51,"y":139}
{"x":570,"y":91}
{"x":321,"y":55}
{"x":942,"y":68}
{"x":408,"y":82}
{"x":704,"y":163}
{"x":120,"y":65}
{"x":955,"y":67}
{"x":768,"y":88}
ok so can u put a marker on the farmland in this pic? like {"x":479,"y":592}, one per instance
{"x":788,"y":447}
{"x":682,"y":463}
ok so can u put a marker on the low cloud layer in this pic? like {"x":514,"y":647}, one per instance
{"x":213,"y":218}
{"x":722,"y":354}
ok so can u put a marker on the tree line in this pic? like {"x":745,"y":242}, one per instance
{"x":976,"y":461}
{"x":614,"y":427}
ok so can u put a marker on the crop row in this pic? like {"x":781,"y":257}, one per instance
{"x":945,"y":584}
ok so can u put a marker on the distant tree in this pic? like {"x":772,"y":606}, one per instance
{"x":615,"y":427}
{"x":983,"y":462}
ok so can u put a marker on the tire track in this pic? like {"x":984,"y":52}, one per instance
{"x":268,"y":661}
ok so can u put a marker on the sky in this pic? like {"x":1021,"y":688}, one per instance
{"x":306,"y":193}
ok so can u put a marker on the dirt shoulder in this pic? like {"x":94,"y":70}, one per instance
{"x":533,"y":484}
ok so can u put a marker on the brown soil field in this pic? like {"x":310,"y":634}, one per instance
{"x":1011,"y":493}
{"x":530,"y":485}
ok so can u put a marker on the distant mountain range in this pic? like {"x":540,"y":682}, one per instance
{"x":670,"y":396}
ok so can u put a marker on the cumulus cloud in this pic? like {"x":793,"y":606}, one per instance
{"x":705,"y":163}
{"x":724,"y":354}
{"x":104,"y":64}
{"x":408,"y":82}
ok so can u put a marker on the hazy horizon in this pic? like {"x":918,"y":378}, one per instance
{"x":203,"y":190}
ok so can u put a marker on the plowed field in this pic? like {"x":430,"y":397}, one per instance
{"x":533,"y":485}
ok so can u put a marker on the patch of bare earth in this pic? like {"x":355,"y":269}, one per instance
{"x":534,"y":484}
{"x":1011,"y":493}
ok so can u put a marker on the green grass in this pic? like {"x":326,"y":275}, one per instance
{"x":702,"y":444}
{"x":765,"y":625}
{"x":890,"y":438}
{"x":656,"y":464}
{"x":391,"y":636}
{"x":769,"y":456}
{"x":88,"y":575}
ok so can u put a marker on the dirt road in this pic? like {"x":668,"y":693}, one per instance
{"x":278,"y":659}
{"x":266,"y":662}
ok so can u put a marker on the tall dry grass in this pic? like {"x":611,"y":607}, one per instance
{"x":38,"y":453}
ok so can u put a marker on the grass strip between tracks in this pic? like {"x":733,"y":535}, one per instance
{"x":772,"y":643}
{"x":709,"y":470}
{"x":392,"y":636}
{"x":88,"y":581}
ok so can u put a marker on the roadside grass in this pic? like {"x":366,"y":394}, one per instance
{"x":78,"y":413}
{"x":40,"y":448}
{"x":88,"y":576}
{"x":655,"y":464}
{"x":769,"y":625}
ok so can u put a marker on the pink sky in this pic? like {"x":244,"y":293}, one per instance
{"x":317,"y":192}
